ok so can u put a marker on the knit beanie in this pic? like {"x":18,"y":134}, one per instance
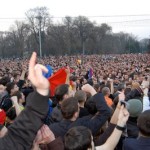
{"x":135,"y":107}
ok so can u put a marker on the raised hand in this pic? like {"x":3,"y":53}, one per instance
{"x":88,"y":88}
{"x":14,"y":99}
{"x":67,"y":70}
{"x":121,"y":96}
{"x":36,"y":77}
{"x":123,"y":116}
{"x":44,"y":135}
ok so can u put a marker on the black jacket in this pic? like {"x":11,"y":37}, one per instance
{"x":141,"y":143}
{"x":22,"y":132}
{"x":94,"y":123}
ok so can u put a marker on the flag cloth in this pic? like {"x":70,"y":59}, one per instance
{"x":49,"y":73}
{"x":2,"y":116}
{"x":58,"y":78}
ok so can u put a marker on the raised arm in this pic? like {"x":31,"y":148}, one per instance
{"x":115,"y":136}
{"x":99,"y":119}
{"x":114,"y":119}
{"x":16,"y":105}
{"x":22,"y":132}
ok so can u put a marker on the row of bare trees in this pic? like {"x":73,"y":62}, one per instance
{"x":72,"y":36}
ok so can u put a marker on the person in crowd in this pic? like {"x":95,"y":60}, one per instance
{"x":61,"y":93}
{"x":79,"y":138}
{"x":81,"y":97}
{"x":30,"y":119}
{"x":143,"y":141}
{"x":28,"y":129}
{"x":106,"y":93}
{"x":70,"y":111}
{"x":6,"y":102}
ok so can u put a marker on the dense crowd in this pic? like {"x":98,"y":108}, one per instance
{"x":75,"y":102}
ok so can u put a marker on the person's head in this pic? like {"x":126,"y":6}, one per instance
{"x":11,"y":87}
{"x":20,"y":96}
{"x":4,"y":80}
{"x":127,"y":90}
{"x":11,"y":115}
{"x":62,"y":92}
{"x":97,"y":87}
{"x":106,"y":91}
{"x":90,"y":81}
{"x":135,"y":107}
{"x":78,"y":138}
{"x":91,"y":106}
{"x":16,"y":77}
{"x":2,"y":89}
{"x":80,"y":96}
{"x":135,"y":85}
{"x":102,"y":85}
{"x":70,"y":108}
{"x":143,"y":123}
{"x":121,"y":87}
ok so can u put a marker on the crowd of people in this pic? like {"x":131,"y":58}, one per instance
{"x":92,"y":102}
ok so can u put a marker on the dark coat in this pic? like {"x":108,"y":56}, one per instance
{"x":94,"y":123}
{"x":142,"y":143}
{"x":22,"y":132}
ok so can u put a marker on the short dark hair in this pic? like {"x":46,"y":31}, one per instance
{"x":11,"y":113}
{"x":91,"y":106}
{"x":10,"y":86}
{"x":121,"y":86}
{"x":127,"y":90}
{"x":68,"y":107}
{"x":4,"y":80}
{"x":143,"y":123}
{"x":80,"y":96}
{"x":78,"y":138}
{"x":96,"y":87}
{"x":60,"y":91}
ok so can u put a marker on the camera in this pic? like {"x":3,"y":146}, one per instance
{"x":126,"y":104}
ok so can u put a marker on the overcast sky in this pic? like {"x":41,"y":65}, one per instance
{"x":138,"y":25}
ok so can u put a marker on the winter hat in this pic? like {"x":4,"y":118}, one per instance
{"x":135,"y":107}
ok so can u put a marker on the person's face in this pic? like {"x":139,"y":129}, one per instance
{"x":2,"y":89}
{"x":15,"y":89}
{"x":17,"y":78}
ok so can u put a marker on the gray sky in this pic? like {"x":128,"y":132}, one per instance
{"x":138,"y":25}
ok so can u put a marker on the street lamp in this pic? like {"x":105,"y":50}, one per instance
{"x":83,"y":43}
{"x":39,"y":17}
